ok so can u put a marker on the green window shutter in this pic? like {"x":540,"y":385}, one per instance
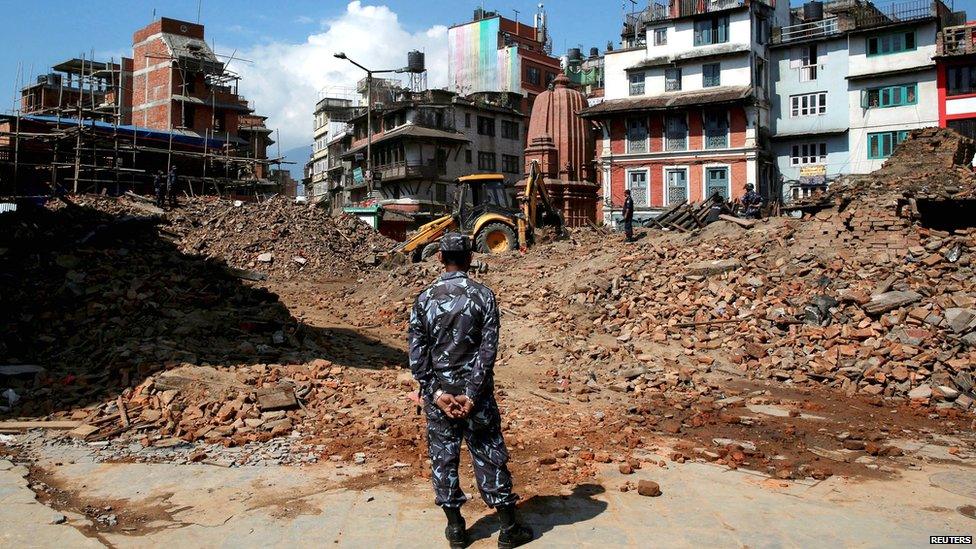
{"x":723,"y":29}
{"x":872,"y":146}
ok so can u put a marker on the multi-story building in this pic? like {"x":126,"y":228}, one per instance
{"x":98,"y":90}
{"x":586,"y":73}
{"x":173,"y":103}
{"x":332,"y":115}
{"x":425,"y":140}
{"x":686,"y":104}
{"x":494,"y":54}
{"x":956,"y":67}
{"x":851,"y":79}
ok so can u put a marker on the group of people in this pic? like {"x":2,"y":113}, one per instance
{"x":751,"y":208}
{"x":165,"y":186}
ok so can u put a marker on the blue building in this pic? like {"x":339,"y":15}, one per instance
{"x":851,"y":79}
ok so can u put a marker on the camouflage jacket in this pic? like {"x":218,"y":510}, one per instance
{"x":454,"y":337}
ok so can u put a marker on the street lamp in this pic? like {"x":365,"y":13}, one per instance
{"x":369,"y":118}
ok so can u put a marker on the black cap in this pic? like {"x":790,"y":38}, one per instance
{"x":455,"y":242}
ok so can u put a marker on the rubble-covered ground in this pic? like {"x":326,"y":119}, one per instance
{"x":836,"y":344}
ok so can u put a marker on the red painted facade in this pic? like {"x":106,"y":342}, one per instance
{"x":696,"y":158}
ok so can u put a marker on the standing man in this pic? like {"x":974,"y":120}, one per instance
{"x":159,"y":186}
{"x":453,"y":342}
{"x":171,"y":186}
{"x":628,"y":216}
{"x":752,"y":201}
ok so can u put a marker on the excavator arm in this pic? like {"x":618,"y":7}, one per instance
{"x":536,"y":196}
{"x":427,"y":233}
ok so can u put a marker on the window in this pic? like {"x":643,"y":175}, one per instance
{"x":711,"y":75}
{"x":672,"y":79}
{"x":966,"y":126}
{"x":714,"y":30}
{"x":637,"y":183}
{"x":442,"y":161}
{"x":467,"y":156}
{"x":762,"y":30}
{"x":760,"y":77}
{"x":510,"y":163}
{"x":808,"y":62}
{"x":636,"y":135}
{"x":961,"y":80}
{"x":882,"y":144}
{"x":486,"y":161}
{"x":717,"y":181}
{"x":486,"y":126}
{"x":189,"y":114}
{"x":808,"y":153}
{"x":889,"y":96}
{"x":533,"y":76}
{"x":716,"y":129}
{"x":808,"y":104}
{"x":676,"y":133}
{"x":677,"y":186}
{"x":637,"y":83}
{"x":884,"y":44}
{"x":510,"y":130}
{"x":467,"y":120}
{"x":661,"y":36}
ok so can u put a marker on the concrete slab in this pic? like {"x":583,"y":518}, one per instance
{"x":701,"y":505}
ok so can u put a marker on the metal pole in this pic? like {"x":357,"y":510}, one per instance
{"x":369,"y":134}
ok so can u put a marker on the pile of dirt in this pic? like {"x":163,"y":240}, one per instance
{"x":101,"y":299}
{"x":277,"y":237}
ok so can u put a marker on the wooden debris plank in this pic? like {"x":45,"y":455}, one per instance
{"x":747,"y":223}
{"x":122,"y":411}
{"x":28,"y":425}
{"x":551,"y":398}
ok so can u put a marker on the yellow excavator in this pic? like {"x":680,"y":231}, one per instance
{"x":483,"y":213}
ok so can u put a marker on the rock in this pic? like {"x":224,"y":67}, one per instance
{"x":626,"y":469}
{"x":266,"y":257}
{"x":299,"y":259}
{"x":717,"y":266}
{"x":960,"y":320}
{"x":631,"y":373}
{"x":947,"y":393}
{"x":648,"y":488}
{"x":922,"y":392}
{"x":888,"y":301}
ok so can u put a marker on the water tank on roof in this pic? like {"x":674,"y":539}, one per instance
{"x":574,"y":54}
{"x":479,"y":14}
{"x":415,"y":61}
{"x":813,"y":11}
{"x":594,"y":52}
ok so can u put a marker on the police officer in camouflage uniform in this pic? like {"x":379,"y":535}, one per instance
{"x":453,"y":342}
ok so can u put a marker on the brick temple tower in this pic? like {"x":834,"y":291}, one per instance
{"x":564,"y":146}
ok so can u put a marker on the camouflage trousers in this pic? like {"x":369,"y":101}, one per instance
{"x":482,"y":431}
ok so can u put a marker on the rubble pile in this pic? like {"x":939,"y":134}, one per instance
{"x":346,"y":412}
{"x":102,"y":300}
{"x":277,"y":237}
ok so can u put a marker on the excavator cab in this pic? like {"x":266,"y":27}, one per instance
{"x":484,"y":209}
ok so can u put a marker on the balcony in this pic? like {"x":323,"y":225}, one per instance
{"x":404,"y":170}
{"x":958,"y":40}
{"x":804,"y":31}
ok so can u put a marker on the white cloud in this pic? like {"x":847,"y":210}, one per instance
{"x":304,"y":20}
{"x":284,"y":79}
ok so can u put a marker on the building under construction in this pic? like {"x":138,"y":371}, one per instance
{"x":91,"y":126}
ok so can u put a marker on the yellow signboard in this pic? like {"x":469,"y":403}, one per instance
{"x":813,"y":171}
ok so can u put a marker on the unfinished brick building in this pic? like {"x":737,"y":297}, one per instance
{"x":106,"y":126}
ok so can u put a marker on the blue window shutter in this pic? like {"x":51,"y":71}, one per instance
{"x":723,"y":29}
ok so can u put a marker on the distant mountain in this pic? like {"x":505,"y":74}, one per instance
{"x":298,"y":155}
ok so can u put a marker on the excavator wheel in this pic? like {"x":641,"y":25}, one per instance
{"x":496,"y":238}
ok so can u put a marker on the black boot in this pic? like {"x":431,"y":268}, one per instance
{"x":512,"y":532}
{"x":456,"y":531}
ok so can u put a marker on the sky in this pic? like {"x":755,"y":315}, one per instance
{"x":283,"y":50}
